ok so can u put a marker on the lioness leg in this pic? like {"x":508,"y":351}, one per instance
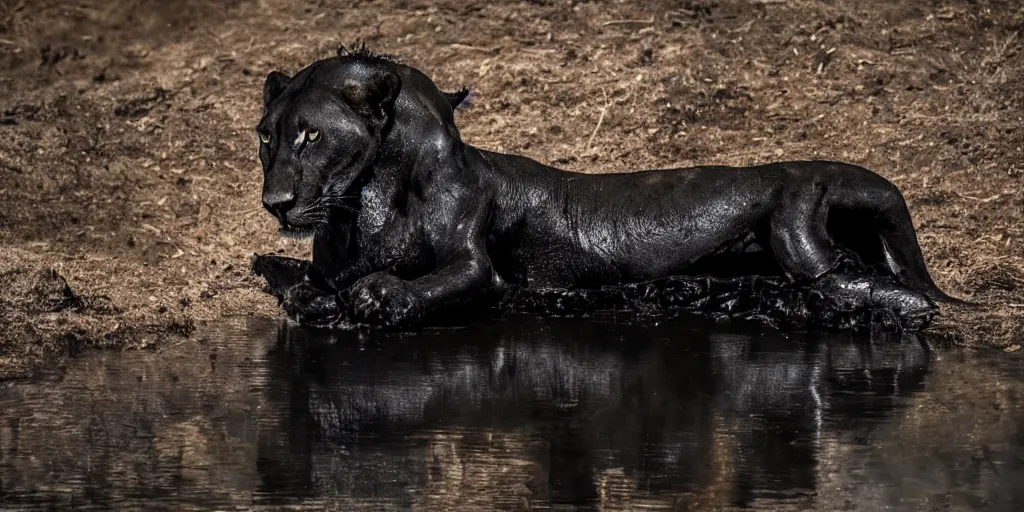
{"x":310,"y":304}
{"x":807,"y":253}
{"x":293,"y":282}
{"x":383,"y":299}
{"x":311,"y":301}
{"x":799,"y":240}
{"x":463,"y":269}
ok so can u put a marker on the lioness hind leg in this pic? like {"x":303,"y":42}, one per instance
{"x":799,"y":239}
{"x":846,"y":293}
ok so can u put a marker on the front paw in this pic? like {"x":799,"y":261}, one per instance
{"x":384,"y":299}
{"x":309,"y":305}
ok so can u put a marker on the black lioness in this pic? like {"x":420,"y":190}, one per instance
{"x":363,"y":153}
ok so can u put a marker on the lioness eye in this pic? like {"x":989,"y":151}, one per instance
{"x":265,"y":138}
{"x":312,"y":135}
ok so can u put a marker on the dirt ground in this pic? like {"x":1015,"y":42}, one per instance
{"x":130,"y":180}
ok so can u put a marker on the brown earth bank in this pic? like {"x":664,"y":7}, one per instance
{"x":130,"y":181}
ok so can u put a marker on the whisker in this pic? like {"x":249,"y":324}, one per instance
{"x":338,"y":203}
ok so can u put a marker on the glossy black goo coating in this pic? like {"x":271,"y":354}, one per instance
{"x":773,"y":300}
{"x":410,"y":222}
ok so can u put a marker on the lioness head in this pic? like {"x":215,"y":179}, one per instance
{"x":320,"y":131}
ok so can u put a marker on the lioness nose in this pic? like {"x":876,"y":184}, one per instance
{"x":279,"y":204}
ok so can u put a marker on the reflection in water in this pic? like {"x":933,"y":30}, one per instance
{"x":517,"y":414}
{"x":651,"y":404}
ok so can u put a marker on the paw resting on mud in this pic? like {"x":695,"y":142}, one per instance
{"x":384,"y":299}
{"x":835,"y":295}
{"x":309,"y":305}
{"x":914,"y":310}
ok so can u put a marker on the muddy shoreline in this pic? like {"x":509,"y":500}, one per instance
{"x":128,"y":161}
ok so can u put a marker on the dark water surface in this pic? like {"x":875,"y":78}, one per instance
{"x":520,"y":413}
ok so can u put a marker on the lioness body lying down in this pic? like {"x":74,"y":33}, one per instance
{"x":408,"y":220}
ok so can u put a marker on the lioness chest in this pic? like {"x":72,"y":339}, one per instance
{"x":390,"y":239}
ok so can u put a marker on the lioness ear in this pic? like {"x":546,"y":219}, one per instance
{"x":459,"y":99}
{"x":274,"y":86}
{"x":373,"y":95}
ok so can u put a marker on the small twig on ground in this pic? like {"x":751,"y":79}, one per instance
{"x":214,"y":34}
{"x":980,"y":199}
{"x":245,"y":213}
{"x":538,"y":51}
{"x":627,"y":22}
{"x":593,"y":134}
{"x":460,"y":46}
{"x":600,"y":120}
